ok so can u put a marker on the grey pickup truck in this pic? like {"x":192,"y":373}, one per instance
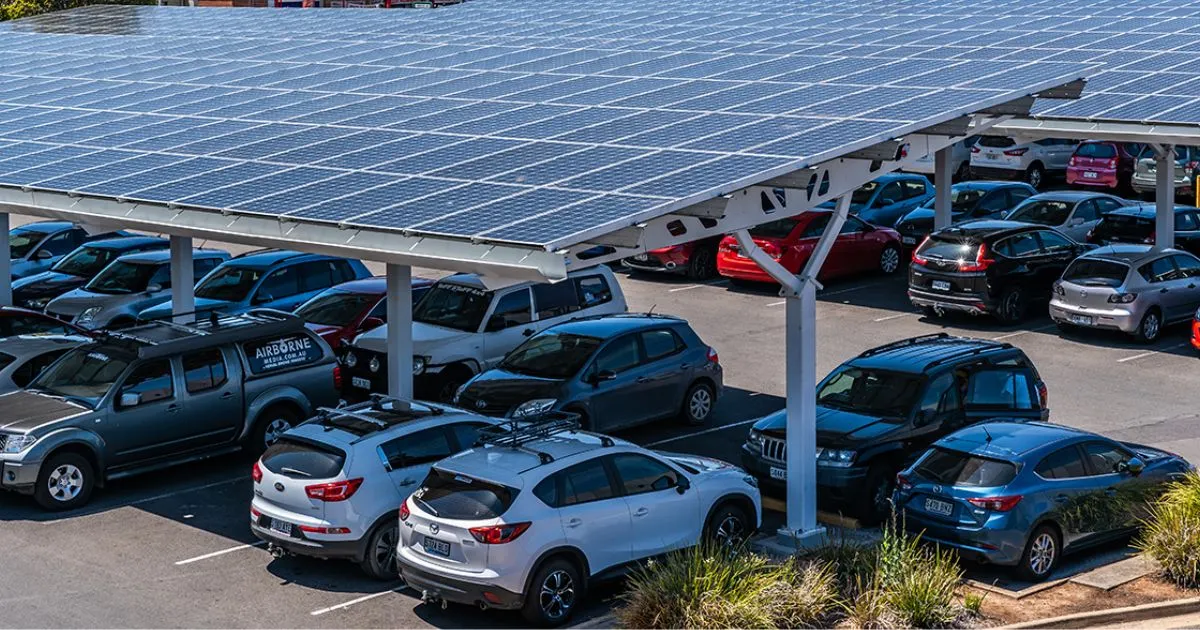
{"x":159,"y":395}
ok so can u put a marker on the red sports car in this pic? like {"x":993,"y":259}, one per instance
{"x":860,"y":247}
{"x":697,"y":260}
{"x":338,"y":314}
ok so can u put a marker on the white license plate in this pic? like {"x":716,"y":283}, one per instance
{"x":779,"y":474}
{"x":360,"y":382}
{"x":282,"y":528}
{"x":1090,"y":175}
{"x":992,"y":155}
{"x":437,"y":547}
{"x":1082,"y":320}
{"x":940,"y":285}
{"x":939,"y":507}
{"x":908,"y":240}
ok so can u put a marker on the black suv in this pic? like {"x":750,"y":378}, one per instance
{"x":880,"y":410}
{"x":992,"y":267}
{"x":1136,"y":224}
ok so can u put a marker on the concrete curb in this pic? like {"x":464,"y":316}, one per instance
{"x":1143,"y":612}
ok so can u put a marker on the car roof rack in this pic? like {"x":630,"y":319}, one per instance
{"x":985,"y":345}
{"x":903,"y":343}
{"x":162,"y":337}
{"x":356,"y":418}
{"x":516,"y":434}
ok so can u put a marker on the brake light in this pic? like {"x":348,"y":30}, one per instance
{"x":404,"y":513}
{"x":256,"y":473}
{"x":1150,"y":239}
{"x":499,"y":534}
{"x":712,"y":355}
{"x":1112,"y":163}
{"x":770,"y":249}
{"x":981,"y":263}
{"x":337,"y":377}
{"x":903,"y":151}
{"x":1017,"y":152}
{"x":902,"y":482}
{"x":996,"y":504}
{"x":975,"y":149}
{"x":310,"y":529}
{"x":1043,"y":395}
{"x":254,"y":514}
{"x":336,"y":491}
{"x":1071,"y":162}
{"x":918,"y":259}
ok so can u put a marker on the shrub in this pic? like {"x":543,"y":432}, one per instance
{"x":973,"y":603}
{"x":853,"y":563}
{"x":804,"y":595}
{"x":868,"y":608}
{"x":919,"y":581}
{"x":1171,"y":535}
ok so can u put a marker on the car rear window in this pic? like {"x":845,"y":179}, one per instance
{"x":955,"y":468}
{"x":278,"y":353}
{"x":1124,"y":225}
{"x":450,"y":495}
{"x":778,"y":228}
{"x":948,"y":249}
{"x":997,"y":142}
{"x":303,"y":460}
{"x":1101,"y":150}
{"x":1093,"y":272}
{"x":1042,"y":212}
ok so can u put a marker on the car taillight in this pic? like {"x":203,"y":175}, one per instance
{"x":1058,"y":289}
{"x":902,"y":482}
{"x":1122,"y":298}
{"x":314,"y":529}
{"x":975,"y":149}
{"x":1191,"y":166}
{"x":336,"y":491}
{"x":256,"y":473}
{"x":712,"y":355}
{"x":1150,"y":239}
{"x":1112,"y":163}
{"x":254,"y":514}
{"x":499,"y":534}
{"x":903,"y":151}
{"x":404,"y":513}
{"x":1016,"y":152}
{"x":996,"y":504}
{"x":918,"y":259}
{"x":771,"y":249}
{"x":981,"y":262}
{"x":1071,"y":162}
{"x":337,"y":377}
{"x":1043,"y":395}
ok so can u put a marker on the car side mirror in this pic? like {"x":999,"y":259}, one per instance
{"x":1134,"y":466}
{"x":603,"y":375}
{"x":496,"y":322}
{"x":263,"y":298}
{"x":153,"y":288}
{"x":130,"y":400}
{"x":922,"y":418}
{"x":369,"y":323}
{"x":682,"y":485}
{"x":43,"y":254}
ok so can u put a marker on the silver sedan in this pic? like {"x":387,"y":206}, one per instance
{"x":1131,"y":288}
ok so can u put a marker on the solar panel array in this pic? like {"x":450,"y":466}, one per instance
{"x":542,"y":122}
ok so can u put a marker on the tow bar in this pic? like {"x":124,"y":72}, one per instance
{"x":433,"y":599}
{"x":276,"y":551}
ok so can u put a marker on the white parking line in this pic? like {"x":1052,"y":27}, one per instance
{"x":697,"y":286}
{"x":352,"y":602}
{"x":848,"y":289}
{"x":712,"y":430}
{"x":897,"y":316}
{"x":220,"y":553}
{"x":1143,"y":355}
{"x":779,"y":303}
{"x":1022,"y":332}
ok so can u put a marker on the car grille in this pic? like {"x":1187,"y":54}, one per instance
{"x":489,"y":407}
{"x":3,"y":439}
{"x":774,"y":449}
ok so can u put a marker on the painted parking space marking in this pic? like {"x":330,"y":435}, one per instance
{"x":779,"y":303}
{"x":345,"y":605}
{"x":220,"y":553}
{"x":848,"y":289}
{"x":1143,"y":355}
{"x":1023,"y":332}
{"x":697,"y":286}
{"x":897,"y":316}
{"x":712,"y":430}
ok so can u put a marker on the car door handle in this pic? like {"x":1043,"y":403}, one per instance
{"x":226,"y":395}
{"x":575,"y":522}
{"x":642,"y":511}
{"x":684,"y":366}
{"x":173,"y":408}
{"x":643,"y":379}
{"x":1062,"y":498}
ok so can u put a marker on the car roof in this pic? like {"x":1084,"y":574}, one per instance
{"x":1009,"y":438}
{"x":164,"y":255}
{"x":893,"y":177}
{"x":473,"y":279}
{"x":987,"y":228}
{"x":1130,"y":253}
{"x":264,"y":258}
{"x":1069,"y":195}
{"x":918,"y":354}
{"x":127,"y":242}
{"x":375,"y":285}
{"x":380,"y":419}
{"x":22,"y":345}
{"x":1144,"y":210}
{"x":45,"y":227}
{"x":605,"y":326}
{"x":509,"y":465}
{"x":985,"y":185}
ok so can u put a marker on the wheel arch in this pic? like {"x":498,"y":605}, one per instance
{"x":571,"y":553}
{"x":739,"y":499}
{"x":84,"y":450}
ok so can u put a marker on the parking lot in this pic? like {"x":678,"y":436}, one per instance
{"x":174,"y":548}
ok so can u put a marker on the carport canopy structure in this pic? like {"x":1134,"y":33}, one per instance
{"x":514,"y":141}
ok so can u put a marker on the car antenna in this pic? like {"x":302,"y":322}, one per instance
{"x":987,"y":433}
{"x":651,"y":311}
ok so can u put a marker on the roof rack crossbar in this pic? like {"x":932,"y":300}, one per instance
{"x":984,"y":346}
{"x":903,"y":343}
{"x":329,"y":412}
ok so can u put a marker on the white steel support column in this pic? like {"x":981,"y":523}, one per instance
{"x":183,"y":290}
{"x":5,"y":265}
{"x":943,"y":176}
{"x":399,"y":331}
{"x":1164,"y":197}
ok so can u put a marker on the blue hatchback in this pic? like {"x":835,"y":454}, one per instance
{"x":1023,"y":494}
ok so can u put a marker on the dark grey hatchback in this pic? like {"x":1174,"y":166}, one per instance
{"x":614,"y":371}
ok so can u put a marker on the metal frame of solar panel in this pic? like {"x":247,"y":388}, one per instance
{"x":543,"y":124}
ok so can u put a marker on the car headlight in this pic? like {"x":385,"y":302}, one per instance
{"x":750,"y":481}
{"x":418,"y":365}
{"x":39,"y":303}
{"x":458,"y":392}
{"x":373,"y":364}
{"x":835,"y":457}
{"x":755,"y":438}
{"x":534,"y":407}
{"x":88,"y":314}
{"x":350,"y":359}
{"x":17,"y":442}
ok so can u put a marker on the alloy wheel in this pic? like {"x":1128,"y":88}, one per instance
{"x":1151,"y":326}
{"x":731,"y":532}
{"x":889,"y":260}
{"x":275,"y":430}
{"x":1012,"y":306}
{"x":65,"y":482}
{"x":1041,"y":554}
{"x":385,"y":549}
{"x":1035,"y":177}
{"x":558,"y":595}
{"x":700,"y":404}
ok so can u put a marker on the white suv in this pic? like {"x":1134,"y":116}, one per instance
{"x":1000,"y":157}
{"x":527,"y":520}
{"x":330,"y":487}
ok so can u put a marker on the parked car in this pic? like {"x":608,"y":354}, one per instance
{"x":997,"y":268}
{"x":15,"y":320}
{"x":1136,"y":224}
{"x":1001,"y":157}
{"x":344,"y":311}
{"x":1070,"y":212}
{"x":1131,"y":288}
{"x":77,"y":268}
{"x":276,"y":279}
{"x":859,"y":247}
{"x":960,"y":161}
{"x":969,"y":201}
{"x":878,"y":411}
{"x":885,"y":199}
{"x":22,"y":358}
{"x":33,"y":247}
{"x":1026,"y":494}
{"x":461,"y":328}
{"x":697,"y":259}
{"x":533,"y":518}
{"x":160,"y":395}
{"x":126,"y":287}
{"x":1103,"y":164}
{"x":330,"y":487}
{"x":1145,"y":172}
{"x":612,"y":371}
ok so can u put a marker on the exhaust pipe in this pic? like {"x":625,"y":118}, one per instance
{"x":670,"y":265}
{"x":276,"y":551}
{"x":939,"y":311}
{"x":483,"y":605}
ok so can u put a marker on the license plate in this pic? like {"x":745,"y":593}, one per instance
{"x":908,"y":240}
{"x":992,"y":156}
{"x":283,"y":528}
{"x":779,"y":474}
{"x":940,"y":285}
{"x":939,"y":507}
{"x":360,"y":382}
{"x":437,"y":547}
{"x":1090,"y":175}
{"x":1081,"y":320}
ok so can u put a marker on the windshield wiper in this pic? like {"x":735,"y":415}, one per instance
{"x":293,"y":470}
{"x":425,"y":506}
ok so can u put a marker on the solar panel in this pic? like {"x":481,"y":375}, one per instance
{"x":530,"y":123}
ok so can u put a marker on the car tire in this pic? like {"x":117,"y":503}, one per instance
{"x":1011,"y":307}
{"x":702,"y":265}
{"x":1035,"y":175}
{"x":449,"y":382}
{"x":729,"y":526}
{"x":65,"y":482}
{"x":698,"y":403}
{"x":379,"y":560}
{"x":271,"y":423}
{"x":875,"y":504}
{"x":1150,"y":328}
{"x":1041,"y":555}
{"x":553,"y":594}
{"x":889,"y":260}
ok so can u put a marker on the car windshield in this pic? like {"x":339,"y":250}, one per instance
{"x":954,"y":468}
{"x":863,"y":194}
{"x":1102,"y":150}
{"x":1097,"y":273}
{"x":82,"y":375}
{"x":551,"y":355}
{"x":21,"y":242}
{"x":86,"y":261}
{"x":779,"y":228}
{"x":122,"y":277}
{"x":230,"y":283}
{"x":1042,"y":212}
{"x":888,"y":395}
{"x":961,"y":199}
{"x":335,"y":308}
{"x":451,"y":305}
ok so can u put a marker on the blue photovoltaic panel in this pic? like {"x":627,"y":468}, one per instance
{"x":369,"y":201}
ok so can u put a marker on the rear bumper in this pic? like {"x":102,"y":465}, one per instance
{"x":434,"y":587}
{"x":972,"y":304}
{"x":995,"y":172}
{"x":992,"y":546}
{"x":329,"y":550}
{"x":654,"y":263}
{"x":1103,"y":178}
{"x":1110,"y":319}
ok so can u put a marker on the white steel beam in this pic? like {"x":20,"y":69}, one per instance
{"x":1030,"y":129}
{"x":399,"y":331}
{"x":183,"y":293}
{"x":1164,"y":197}
{"x":943,"y":175}
{"x":6,"y":298}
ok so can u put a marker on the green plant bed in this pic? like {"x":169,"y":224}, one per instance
{"x":1171,"y":533}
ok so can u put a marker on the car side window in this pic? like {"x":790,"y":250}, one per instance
{"x":1160,"y":270}
{"x":913,"y":188}
{"x":852,"y":225}
{"x":204,"y":370}
{"x":317,"y":275}
{"x":1017,"y":195}
{"x":201,"y":267}
{"x":466,"y":433}
{"x":593,"y":291}
{"x":1064,"y":463}
{"x":512,"y":309}
{"x":640,"y":474}
{"x":25,"y":374}
{"x":1105,"y":459}
{"x":1189,"y":266}
{"x":815,"y":227}
{"x":342,"y":271}
{"x":547,"y":490}
{"x":61,"y":244}
{"x":554,"y":300}
{"x":1017,"y":246}
{"x":380,"y":310}
{"x":150,"y":381}
{"x":1186,"y":222}
{"x":995,"y":201}
{"x":422,"y":447}
{"x":942,"y":396}
{"x":586,"y":482}
{"x":1105,"y":205}
{"x":1054,"y":243}
{"x":161,"y":277}
{"x":619,"y":355}
{"x":279,"y":284}
{"x":33,"y":325}
{"x":660,"y":343}
{"x":1086,"y":211}
{"x":1000,"y":388}
{"x":890,"y":194}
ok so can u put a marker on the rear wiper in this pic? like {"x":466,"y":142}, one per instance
{"x":294,"y":471}
{"x":425,"y":506}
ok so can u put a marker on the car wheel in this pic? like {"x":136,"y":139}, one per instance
{"x":889,"y":260}
{"x":272,"y":424}
{"x":963,"y":173}
{"x":553,"y":594}
{"x":1035,"y":175}
{"x":729,"y":526}
{"x":380,"y":559}
{"x":448,"y":385}
{"x":875,"y":504}
{"x":1042,"y":552}
{"x":65,"y":482}
{"x":1150,"y":328}
{"x":698,"y":403}
{"x":702,"y":264}
{"x":1012,"y":306}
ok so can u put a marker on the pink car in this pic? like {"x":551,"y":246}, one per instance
{"x":1102,"y":164}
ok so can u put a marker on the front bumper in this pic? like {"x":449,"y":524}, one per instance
{"x":1110,"y":319}
{"x":838,"y":484}
{"x":359,"y":382}
{"x":19,"y":476}
{"x":435,"y":587}
{"x":968,"y":303}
